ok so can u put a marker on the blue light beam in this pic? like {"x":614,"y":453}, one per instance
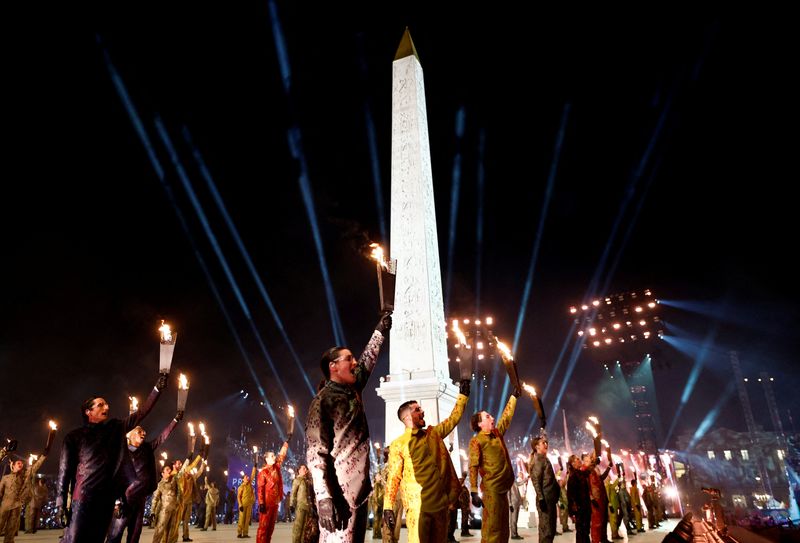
{"x":212,"y":187}
{"x":455,"y":190}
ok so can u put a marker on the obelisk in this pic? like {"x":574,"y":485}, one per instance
{"x":417,"y":350}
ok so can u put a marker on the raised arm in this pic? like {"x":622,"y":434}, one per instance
{"x":282,"y":453}
{"x":368,"y":358}
{"x":162,"y":437}
{"x":447,"y":425}
{"x":135,"y":418}
{"x":508,"y":414}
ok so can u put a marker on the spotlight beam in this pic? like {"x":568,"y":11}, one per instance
{"x":138,"y":126}
{"x":548,"y":194}
{"x":184,"y":178}
{"x":694,"y":375}
{"x":212,"y":187}
{"x":455,"y":190}
{"x":712,"y":415}
{"x":295,"y":143}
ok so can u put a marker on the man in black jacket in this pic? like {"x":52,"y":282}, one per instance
{"x":96,"y":467}
{"x":144,"y":463}
{"x":547,"y":490}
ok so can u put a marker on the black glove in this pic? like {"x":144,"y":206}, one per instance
{"x":385,"y":324}
{"x":179,"y":416}
{"x":388,"y":519}
{"x":511,"y":508}
{"x":517,"y":392}
{"x":476,"y":500}
{"x":12,"y":445}
{"x":262,"y":508}
{"x":241,"y":509}
{"x":463,"y":386}
{"x":291,"y":509}
{"x":542,"y":505}
{"x":161,"y":384}
{"x":330,"y":517}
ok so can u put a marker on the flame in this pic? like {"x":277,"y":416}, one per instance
{"x":504,"y":350}
{"x":191,"y":429}
{"x":605,"y":443}
{"x":206,"y":439}
{"x":164,"y":455}
{"x":225,"y":472}
{"x":162,"y":463}
{"x":290,"y":409}
{"x":241,"y":473}
{"x":378,"y":446}
{"x":591,"y":428}
{"x":202,"y":429}
{"x":166,"y":333}
{"x":594,"y":420}
{"x":53,"y":425}
{"x":134,"y":403}
{"x":255,"y":449}
{"x":183,"y":382}
{"x":31,"y":459}
{"x":529,"y":389}
{"x":378,"y":255}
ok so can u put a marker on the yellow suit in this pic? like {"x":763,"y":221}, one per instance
{"x":420,"y":464}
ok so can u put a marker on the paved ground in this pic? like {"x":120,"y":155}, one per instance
{"x":283,"y":534}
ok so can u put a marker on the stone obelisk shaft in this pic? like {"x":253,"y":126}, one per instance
{"x":418,"y":351}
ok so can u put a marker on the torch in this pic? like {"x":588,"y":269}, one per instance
{"x":537,"y":404}
{"x":466,"y":355}
{"x":509,"y":363}
{"x":608,"y":450}
{"x":255,"y":455}
{"x":290,"y":421}
{"x":206,"y":445}
{"x":387,"y":273}
{"x":50,"y":435}
{"x":560,"y":462}
{"x":192,"y":438}
{"x":31,"y":459}
{"x":168,"y":339}
{"x":183,"y":392}
{"x":134,"y":404}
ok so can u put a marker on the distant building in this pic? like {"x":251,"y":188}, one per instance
{"x":749,"y":474}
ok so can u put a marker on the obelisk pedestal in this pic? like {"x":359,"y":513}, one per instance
{"x":418,"y":363}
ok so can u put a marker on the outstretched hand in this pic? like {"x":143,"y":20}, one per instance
{"x":385,"y":323}
{"x":161,"y":384}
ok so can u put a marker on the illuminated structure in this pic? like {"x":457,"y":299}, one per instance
{"x":418,"y":368}
{"x":622,"y":327}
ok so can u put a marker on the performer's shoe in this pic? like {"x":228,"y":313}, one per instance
{"x":187,"y":539}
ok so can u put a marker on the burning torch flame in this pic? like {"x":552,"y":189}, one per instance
{"x":255,"y":449}
{"x":241,"y":473}
{"x":166,"y":333}
{"x":529,"y":389}
{"x":225,"y":472}
{"x":191,"y":429}
{"x":290,"y":409}
{"x":378,"y":446}
{"x":377,"y":255}
{"x":164,"y":455}
{"x":594,"y":420}
{"x":134,"y":403}
{"x":591,"y":428}
{"x":31,"y":459}
{"x":202,"y":429}
{"x":183,"y":382}
{"x":504,"y":350}
{"x":605,"y":443}
{"x":205,"y":438}
{"x":53,"y":425}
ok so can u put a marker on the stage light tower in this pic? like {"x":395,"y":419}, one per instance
{"x":622,"y":327}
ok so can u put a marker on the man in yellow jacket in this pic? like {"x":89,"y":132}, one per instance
{"x":246,"y":498}
{"x":420,"y":464}
{"x":488,"y":456}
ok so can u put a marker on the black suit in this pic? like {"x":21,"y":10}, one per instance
{"x":96,"y":467}
{"x":144,"y":462}
{"x":547,"y":490}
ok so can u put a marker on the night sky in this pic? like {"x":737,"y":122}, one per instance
{"x":675,"y":133}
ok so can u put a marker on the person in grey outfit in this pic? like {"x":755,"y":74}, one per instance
{"x":547,"y":490}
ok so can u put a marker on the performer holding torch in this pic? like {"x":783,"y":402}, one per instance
{"x":488,"y":456}
{"x":597,"y":489}
{"x":96,"y":467}
{"x":15,"y":488}
{"x":270,"y":485}
{"x":543,"y":476}
{"x":337,"y":439}
{"x":419,"y":464}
